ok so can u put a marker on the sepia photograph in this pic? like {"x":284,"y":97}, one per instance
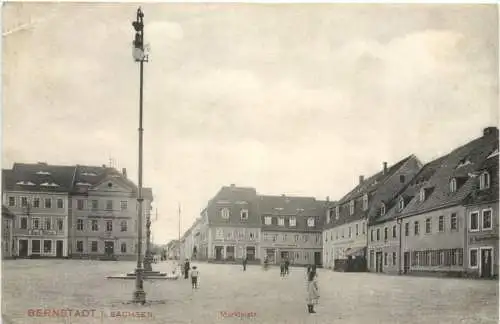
{"x":288,"y":163}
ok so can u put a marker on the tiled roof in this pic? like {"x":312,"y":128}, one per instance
{"x":490,"y":194}
{"x":461,"y":163}
{"x":300,"y":207}
{"x":39,"y":177}
{"x":377,"y":189}
{"x":6,"y":212}
{"x":235,"y":198}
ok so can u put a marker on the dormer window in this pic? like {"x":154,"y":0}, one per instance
{"x":337,"y":212}
{"x":281,"y":221}
{"x":484,"y":180}
{"x":382,"y":209}
{"x":90,"y":174}
{"x":52,"y":184}
{"x":224,"y":213}
{"x":292,"y":222}
{"x":453,"y":185}
{"x":463,"y":162}
{"x":43,"y":173}
{"x":310,"y":222}
{"x":25,"y":183}
{"x":365,"y":202}
{"x":401,"y":204}
{"x":351,"y":207}
{"x":244,"y":214}
{"x":83,"y":184}
{"x":328,"y":214}
{"x":422,"y":194}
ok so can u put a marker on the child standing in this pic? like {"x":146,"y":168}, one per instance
{"x":194,"y":277}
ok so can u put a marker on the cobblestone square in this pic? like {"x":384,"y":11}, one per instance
{"x":262,"y":297}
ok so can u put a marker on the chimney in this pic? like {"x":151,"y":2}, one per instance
{"x":124,"y":171}
{"x":385,"y":167}
{"x":490,"y":131}
{"x":104,"y":166}
{"x":327,"y":198}
{"x":361,"y":179}
{"x":232,"y":185}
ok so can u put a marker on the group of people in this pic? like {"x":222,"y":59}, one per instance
{"x":284,"y":267}
{"x":194,"y":273}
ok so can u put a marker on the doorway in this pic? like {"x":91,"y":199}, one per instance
{"x":59,"y":248}
{"x":250,"y":253}
{"x":109,"y":248}
{"x":23,"y":248}
{"x":317,"y":258}
{"x":218,"y":252}
{"x":406,"y":262}
{"x":35,"y":247}
{"x":379,"y":264}
{"x":486,"y":263}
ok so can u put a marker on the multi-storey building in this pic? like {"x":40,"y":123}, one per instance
{"x":104,"y":214}
{"x":230,"y":225}
{"x":431,"y":212}
{"x":190,"y":241}
{"x":172,"y":249}
{"x":7,"y":233}
{"x":38,"y":195}
{"x":291,"y":229}
{"x":345,"y":240}
{"x":482,"y":221}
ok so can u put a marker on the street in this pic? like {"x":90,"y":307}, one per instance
{"x":260,"y":297}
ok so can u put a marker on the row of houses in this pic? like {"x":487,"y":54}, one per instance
{"x":440,"y":217}
{"x":70,"y":211}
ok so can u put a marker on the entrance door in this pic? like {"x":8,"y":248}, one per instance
{"x":270,"y":255}
{"x":109,"y":248}
{"x":35,"y":247}
{"x":23,"y":248}
{"x":250,"y":253}
{"x":317,"y":258}
{"x":379,"y":262}
{"x":406,"y":262}
{"x":230,"y":253}
{"x":59,"y":248}
{"x":486,"y":261}
{"x":218,"y":252}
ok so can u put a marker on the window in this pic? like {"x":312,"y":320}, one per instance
{"x":378,"y":234}
{"x":385,"y":258}
{"x":95,"y":205}
{"x":24,"y":201}
{"x":401,"y":204}
{"x":474,"y":221}
{"x":24,"y":223}
{"x":79,"y":246}
{"x":268,"y":220}
{"x":60,"y":224}
{"x":357,"y":229}
{"x":305,"y":238}
{"x":47,"y":246}
{"x":281,"y":221}
{"x":386,"y":233}
{"x":365,"y":202}
{"x":95,"y":225}
{"x":35,"y":224}
{"x":12,"y":201}
{"x":244,"y":214}
{"x":416,"y":228}
{"x":372,"y":234}
{"x":123,"y":226}
{"x":407,"y":229}
{"x":486,"y":219}
{"x":109,"y":204}
{"x":351,"y":207}
{"x":219,"y":234}
{"x":283,"y":237}
{"x":296,"y":238}
{"x":343,"y":233}
{"x":93,"y":246}
{"x":402,"y":178}
{"x":60,"y":203}
{"x":484,"y":181}
{"x":48,"y":203}
{"x":328,"y":216}
{"x":473,"y":258}
{"x":109,"y":226}
{"x":453,"y":185}
{"x":364,"y":228}
{"x":350,"y":232}
{"x":337,"y":212}
{"x":441,"y":224}
{"x":382,"y":209}
{"x":123,"y":247}
{"x":36,"y":202}
{"x":79,"y":224}
{"x":310,"y":222}
{"x":422,"y":194}
{"x":123,"y":205}
{"x":394,"y":258}
{"x":428,"y":225}
{"x":293,"y":222}
{"x":453,"y":222}
{"x":79,"y":204}
{"x":224,"y":213}
{"x":394,"y":231}
{"x":48,"y":224}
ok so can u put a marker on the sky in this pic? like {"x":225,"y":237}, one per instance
{"x":291,"y":99}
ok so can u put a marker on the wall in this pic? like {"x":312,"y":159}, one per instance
{"x":300,"y":246}
{"x":239,"y":237}
{"x":389,"y":248}
{"x":335,"y":246}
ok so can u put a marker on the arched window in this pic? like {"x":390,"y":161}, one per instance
{"x":422,"y":194}
{"x":453,"y":185}
{"x":401,"y":203}
{"x":484,"y":180}
{"x":224,"y":213}
{"x":365,"y":202}
{"x":382,"y":209}
{"x":351,"y":207}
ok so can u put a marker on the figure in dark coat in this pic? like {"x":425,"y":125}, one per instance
{"x":287,"y":265}
{"x":245,"y":260}
{"x":186,"y":269}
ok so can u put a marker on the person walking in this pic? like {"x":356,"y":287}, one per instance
{"x":287,"y":266}
{"x":312,"y":290}
{"x":194,"y":277}
{"x":186,"y":269}
{"x":245,"y":260}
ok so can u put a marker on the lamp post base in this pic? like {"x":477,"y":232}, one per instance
{"x":139,"y":296}
{"x":147,"y":264}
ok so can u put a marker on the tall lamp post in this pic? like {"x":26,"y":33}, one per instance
{"x":139,"y":56}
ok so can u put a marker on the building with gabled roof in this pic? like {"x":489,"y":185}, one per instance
{"x":291,"y":229}
{"x":345,"y":231}
{"x":7,"y":233}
